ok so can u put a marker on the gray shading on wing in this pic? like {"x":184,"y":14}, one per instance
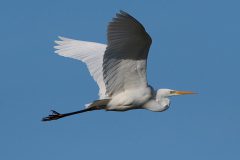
{"x":125,"y":59}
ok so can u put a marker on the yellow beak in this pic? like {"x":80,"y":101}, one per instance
{"x":184,"y":92}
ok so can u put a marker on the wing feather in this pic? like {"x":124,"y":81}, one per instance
{"x":125,"y":59}
{"x":90,"y":53}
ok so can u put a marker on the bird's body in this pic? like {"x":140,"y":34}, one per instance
{"x":129,"y":99}
{"x":119,"y":68}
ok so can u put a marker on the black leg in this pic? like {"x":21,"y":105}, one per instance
{"x":55,"y":115}
{"x":96,"y":105}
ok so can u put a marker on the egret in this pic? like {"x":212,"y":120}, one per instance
{"x":119,"y":69}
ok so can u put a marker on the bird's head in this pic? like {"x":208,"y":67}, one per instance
{"x":164,"y":93}
{"x":162,"y":96}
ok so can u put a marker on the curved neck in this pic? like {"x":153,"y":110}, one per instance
{"x":164,"y":101}
{"x":158,"y":104}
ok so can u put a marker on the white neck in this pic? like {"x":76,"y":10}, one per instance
{"x":158,"y":104}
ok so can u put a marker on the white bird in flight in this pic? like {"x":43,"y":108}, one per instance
{"x":119,"y":68}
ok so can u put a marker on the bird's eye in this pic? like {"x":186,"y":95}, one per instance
{"x":172,"y":92}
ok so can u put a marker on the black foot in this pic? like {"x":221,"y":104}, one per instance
{"x":54,"y":116}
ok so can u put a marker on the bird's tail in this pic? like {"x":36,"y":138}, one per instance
{"x":101,"y":104}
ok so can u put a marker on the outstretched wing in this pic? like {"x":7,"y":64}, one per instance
{"x":90,"y":53}
{"x":124,"y":62}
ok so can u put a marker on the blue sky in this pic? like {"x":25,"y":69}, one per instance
{"x":195,"y":47}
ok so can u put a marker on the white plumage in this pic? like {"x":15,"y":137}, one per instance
{"x":119,"y":68}
{"x":90,"y":53}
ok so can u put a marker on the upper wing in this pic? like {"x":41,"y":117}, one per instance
{"x":124,"y":62}
{"x":89,"y":52}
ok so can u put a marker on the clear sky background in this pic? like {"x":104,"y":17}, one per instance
{"x":196,"y":46}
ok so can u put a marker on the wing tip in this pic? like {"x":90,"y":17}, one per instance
{"x":63,"y":38}
{"x":61,"y":41}
{"x":123,"y":12}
